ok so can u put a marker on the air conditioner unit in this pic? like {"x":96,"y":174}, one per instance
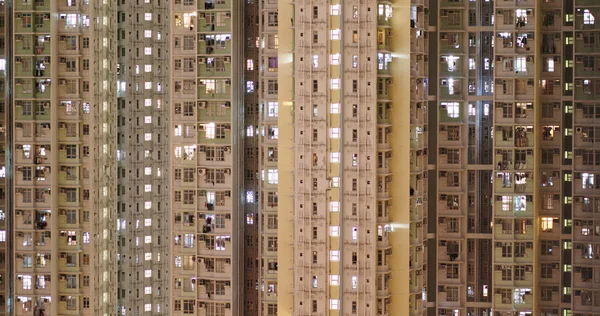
{"x":529,"y":59}
{"x":201,"y":60}
{"x":201,"y":128}
{"x":63,"y":60}
{"x":227,"y":14}
{"x":227,"y":171}
{"x":227,"y":149}
{"x":227,"y":105}
{"x":62,"y":82}
{"x":578,"y":129}
{"x":201,"y":37}
{"x":201,"y":170}
{"x":228,"y":82}
{"x":202,"y":104}
{"x":578,"y":83}
{"x":202,"y":149}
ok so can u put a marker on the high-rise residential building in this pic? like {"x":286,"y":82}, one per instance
{"x":353,"y":142}
{"x":60,"y":152}
{"x":228,"y":157}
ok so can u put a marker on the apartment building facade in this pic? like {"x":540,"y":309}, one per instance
{"x":61,"y":157}
{"x":311,"y":158}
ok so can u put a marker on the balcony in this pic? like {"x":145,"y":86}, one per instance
{"x":24,"y":111}
{"x":511,"y":206}
{"x":25,"y":198}
{"x":69,"y":154}
{"x":214,"y":268}
{"x":69,"y":175}
{"x":41,"y":45}
{"x":209,"y":89}
{"x":214,"y":67}
{"x":218,"y":44}
{"x":32,"y":132}
{"x":28,"y":22}
{"x":223,"y":26}
{"x":214,"y":112}
{"x":520,"y":66}
{"x":38,"y":5}
{"x":451,"y":19}
{"x":32,"y":88}
{"x":451,"y":66}
{"x":513,"y":182}
{"x":450,"y":181}
{"x":222,"y":139}
{"x":586,"y":183}
{"x":207,"y":5}
{"x":25,"y":155}
{"x":586,"y":42}
{"x":73,"y":23}
{"x":32,"y":67}
{"x":451,"y":89}
{"x":30,"y":176}
{"x":33,"y":242}
{"x":507,"y":229}
{"x":586,"y":207}
{"x":419,"y":43}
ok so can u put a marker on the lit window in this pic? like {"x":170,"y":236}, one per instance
{"x":210,"y":130}
{"x":273,"y":109}
{"x":334,"y":231}
{"x":147,"y":33}
{"x":335,"y":108}
{"x":147,"y":239}
{"x":147,"y":51}
{"x":471,"y":63}
{"x":148,"y":136}
{"x":334,"y":280}
{"x":315,"y":61}
{"x":335,"y":35}
{"x":147,"y":205}
{"x":249,"y":86}
{"x":2,"y":64}
{"x":2,"y":236}
{"x":148,"y":290}
{"x":335,"y":182}
{"x":550,"y":64}
{"x":148,"y":119}
{"x":148,"y":171}
{"x":148,"y":68}
{"x":588,"y":17}
{"x":335,"y":157}
{"x":521,"y":64}
{"x":147,"y":187}
{"x":147,"y":307}
{"x":452,"y":109}
{"x":148,"y":222}
{"x":334,"y":255}
{"x":148,"y":16}
{"x":354,"y":281}
{"x":334,"y":206}
{"x":547,"y":224}
{"x":335,"y":59}
{"x":249,"y":64}
{"x":148,"y":256}
{"x":334,"y":133}
{"x":273,"y":176}
{"x":354,"y":233}
{"x":334,"y":9}
{"x":334,"y":304}
{"x":250,"y":131}
{"x":249,"y":197}
{"x":148,"y":273}
{"x":148,"y":85}
{"x":147,"y":102}
{"x":335,"y":84}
